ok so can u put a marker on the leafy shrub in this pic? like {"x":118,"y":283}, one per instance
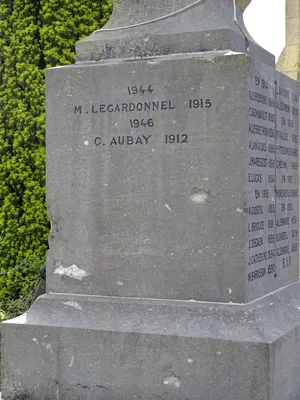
{"x":18,"y":306}
{"x":33,"y":35}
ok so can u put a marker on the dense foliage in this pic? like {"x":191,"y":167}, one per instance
{"x":34,"y":35}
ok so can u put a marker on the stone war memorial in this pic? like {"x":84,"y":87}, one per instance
{"x":172,"y":188}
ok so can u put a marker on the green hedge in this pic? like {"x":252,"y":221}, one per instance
{"x":34,"y":35}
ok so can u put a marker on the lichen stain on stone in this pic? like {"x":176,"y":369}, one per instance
{"x":48,"y":347}
{"x":200,"y":196}
{"x":73,"y":271}
{"x":172,"y":380}
{"x":72,"y":361}
{"x":73,"y":304}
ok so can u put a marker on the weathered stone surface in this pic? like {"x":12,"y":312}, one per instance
{"x":185,"y":206}
{"x":208,"y":25}
{"x":174,"y":178}
{"x":85,"y":348}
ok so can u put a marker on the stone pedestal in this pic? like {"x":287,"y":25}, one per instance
{"x":172,"y":187}
{"x":90,"y":347}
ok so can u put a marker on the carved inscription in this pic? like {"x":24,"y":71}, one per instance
{"x":272,"y":179}
{"x":271,"y":157}
{"x":141,"y":106}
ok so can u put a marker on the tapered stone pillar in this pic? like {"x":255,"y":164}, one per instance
{"x":172,"y":189}
{"x":288,"y":62}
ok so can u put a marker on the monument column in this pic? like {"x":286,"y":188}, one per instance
{"x":172,"y":189}
{"x":288,"y":62}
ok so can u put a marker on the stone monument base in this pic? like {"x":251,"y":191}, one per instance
{"x":91,"y":347}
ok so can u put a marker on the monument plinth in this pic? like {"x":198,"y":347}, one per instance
{"x":172,"y":188}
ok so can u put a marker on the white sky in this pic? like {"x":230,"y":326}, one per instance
{"x":265,"y":21}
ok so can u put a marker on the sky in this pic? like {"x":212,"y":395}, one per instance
{"x":265,"y":21}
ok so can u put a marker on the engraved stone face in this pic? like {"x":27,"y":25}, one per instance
{"x":168,"y":191}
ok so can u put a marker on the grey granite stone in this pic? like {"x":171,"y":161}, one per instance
{"x":172,"y":189}
{"x":190,"y":206}
{"x":86,"y":348}
{"x":209,"y":25}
